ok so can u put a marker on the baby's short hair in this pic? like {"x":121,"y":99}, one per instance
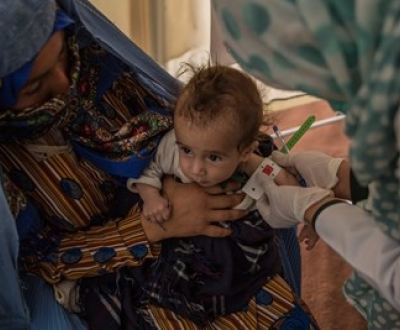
{"x":224,"y":95}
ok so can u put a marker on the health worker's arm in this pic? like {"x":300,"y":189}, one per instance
{"x":354,"y":235}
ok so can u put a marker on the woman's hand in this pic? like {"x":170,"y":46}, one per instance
{"x":194,"y":211}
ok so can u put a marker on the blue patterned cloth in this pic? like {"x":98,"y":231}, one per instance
{"x":347,"y":52}
{"x":12,"y":84}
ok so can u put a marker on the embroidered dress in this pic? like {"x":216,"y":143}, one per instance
{"x":88,"y":226}
{"x":72,"y":193}
{"x":348,"y":53}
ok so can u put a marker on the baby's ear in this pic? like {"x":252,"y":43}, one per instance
{"x":248,"y":151}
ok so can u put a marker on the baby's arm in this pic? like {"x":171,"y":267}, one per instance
{"x":155,"y":206}
{"x":148,"y":185}
{"x":284,"y":177}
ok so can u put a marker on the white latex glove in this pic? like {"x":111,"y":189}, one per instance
{"x":317,"y":168}
{"x":284,"y":206}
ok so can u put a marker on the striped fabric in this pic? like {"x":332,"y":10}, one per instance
{"x":75,"y":199}
{"x":274,"y":306}
{"x":269,"y":309}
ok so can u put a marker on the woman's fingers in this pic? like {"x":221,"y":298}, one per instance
{"x":222,"y":202}
{"x":223,"y":188}
{"x":194,"y":211}
{"x":216,"y":231}
{"x":225,"y":215}
{"x":166,"y":213}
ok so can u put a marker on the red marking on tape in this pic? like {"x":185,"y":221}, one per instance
{"x":268,"y":170}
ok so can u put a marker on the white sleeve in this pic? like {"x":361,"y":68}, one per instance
{"x":162,"y":163}
{"x":352,"y":232}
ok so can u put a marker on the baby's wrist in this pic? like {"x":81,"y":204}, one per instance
{"x":266,"y":170}
{"x":150,"y":195}
{"x":153,"y":231}
{"x":284,"y":177}
{"x":252,"y":164}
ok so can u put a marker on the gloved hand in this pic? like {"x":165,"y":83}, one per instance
{"x":284,"y":206}
{"x":316,"y":168}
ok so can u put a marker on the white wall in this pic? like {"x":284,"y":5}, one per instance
{"x":172,"y":32}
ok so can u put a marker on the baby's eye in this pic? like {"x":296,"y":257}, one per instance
{"x":214,"y":158}
{"x":185,"y":150}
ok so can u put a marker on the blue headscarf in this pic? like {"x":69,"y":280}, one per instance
{"x":13,"y":83}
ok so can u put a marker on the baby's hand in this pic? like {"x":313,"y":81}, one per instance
{"x":285,"y":178}
{"x":308,"y":236}
{"x":156,"y":209}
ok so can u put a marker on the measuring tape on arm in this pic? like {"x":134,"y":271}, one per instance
{"x":253,"y":187}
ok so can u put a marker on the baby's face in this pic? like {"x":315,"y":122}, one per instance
{"x":208,"y":155}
